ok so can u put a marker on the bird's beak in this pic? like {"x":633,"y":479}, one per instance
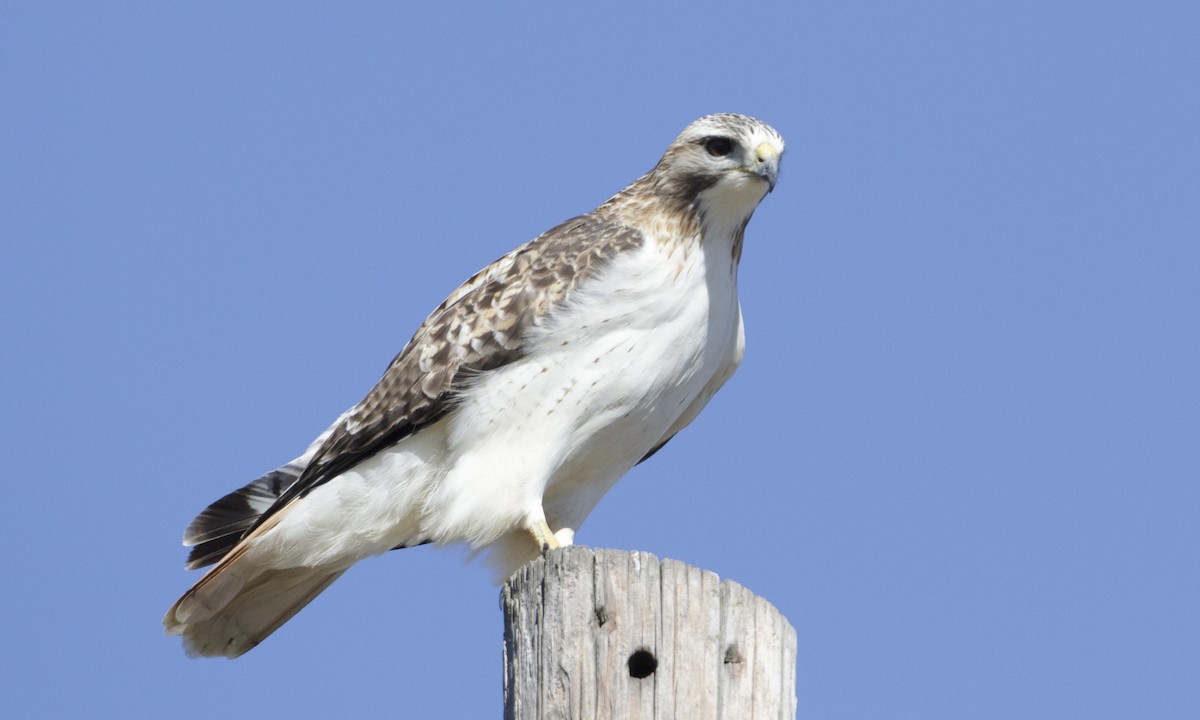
{"x":767,"y":165}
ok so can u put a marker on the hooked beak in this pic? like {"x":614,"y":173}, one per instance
{"x":767,"y":166}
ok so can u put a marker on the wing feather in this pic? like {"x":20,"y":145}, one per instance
{"x":481,"y":326}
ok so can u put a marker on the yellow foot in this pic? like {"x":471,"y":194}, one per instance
{"x":542,"y":535}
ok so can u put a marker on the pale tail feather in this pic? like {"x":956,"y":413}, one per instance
{"x":238,"y":603}
{"x":253,"y":610}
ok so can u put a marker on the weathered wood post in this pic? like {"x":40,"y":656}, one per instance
{"x":592,"y":634}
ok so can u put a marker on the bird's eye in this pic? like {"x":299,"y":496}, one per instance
{"x":718,"y":146}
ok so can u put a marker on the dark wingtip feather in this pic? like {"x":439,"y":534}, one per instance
{"x":210,"y":551}
{"x":217,"y":529}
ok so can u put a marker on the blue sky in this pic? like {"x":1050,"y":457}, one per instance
{"x":962,"y":455}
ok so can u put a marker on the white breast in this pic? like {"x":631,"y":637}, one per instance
{"x":605,"y":379}
{"x":628,"y":362}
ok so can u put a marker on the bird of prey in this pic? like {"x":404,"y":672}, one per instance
{"x":515,"y":406}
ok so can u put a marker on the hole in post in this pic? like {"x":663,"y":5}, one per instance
{"x":732,"y":656}
{"x":642,"y":664}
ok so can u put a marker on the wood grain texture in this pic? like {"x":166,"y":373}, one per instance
{"x":608,"y":634}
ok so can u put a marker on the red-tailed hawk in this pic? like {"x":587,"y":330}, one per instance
{"x":516,"y":405}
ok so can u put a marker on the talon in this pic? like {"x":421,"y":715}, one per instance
{"x":542,"y":535}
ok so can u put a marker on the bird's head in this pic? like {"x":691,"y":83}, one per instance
{"x":728,"y":159}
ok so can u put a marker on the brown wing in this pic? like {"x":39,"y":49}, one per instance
{"x":480,"y":327}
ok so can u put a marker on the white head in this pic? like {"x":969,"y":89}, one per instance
{"x":724,"y":163}
{"x":710,"y":179}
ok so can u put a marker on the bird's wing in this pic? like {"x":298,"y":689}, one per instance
{"x":482,"y":326}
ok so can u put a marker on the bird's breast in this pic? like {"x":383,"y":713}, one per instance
{"x":609,"y":371}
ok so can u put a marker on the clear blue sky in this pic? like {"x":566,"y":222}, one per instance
{"x":962,"y":454}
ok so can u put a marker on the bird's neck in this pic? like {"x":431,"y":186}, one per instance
{"x":657,"y":215}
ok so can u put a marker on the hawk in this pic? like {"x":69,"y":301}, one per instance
{"x":515,"y":406}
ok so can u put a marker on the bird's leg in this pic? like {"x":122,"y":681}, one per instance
{"x":547,"y":539}
{"x":542,"y":534}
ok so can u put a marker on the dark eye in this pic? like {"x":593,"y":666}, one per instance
{"x":718,"y":146}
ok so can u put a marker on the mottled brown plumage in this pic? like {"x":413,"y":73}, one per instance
{"x":476,"y":329}
{"x":517,"y":403}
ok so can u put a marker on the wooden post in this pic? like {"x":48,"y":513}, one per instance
{"x":591,"y":634}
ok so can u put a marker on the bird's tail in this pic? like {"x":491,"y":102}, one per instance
{"x":243,"y":599}
{"x":247,"y":595}
{"x":237,"y":604}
